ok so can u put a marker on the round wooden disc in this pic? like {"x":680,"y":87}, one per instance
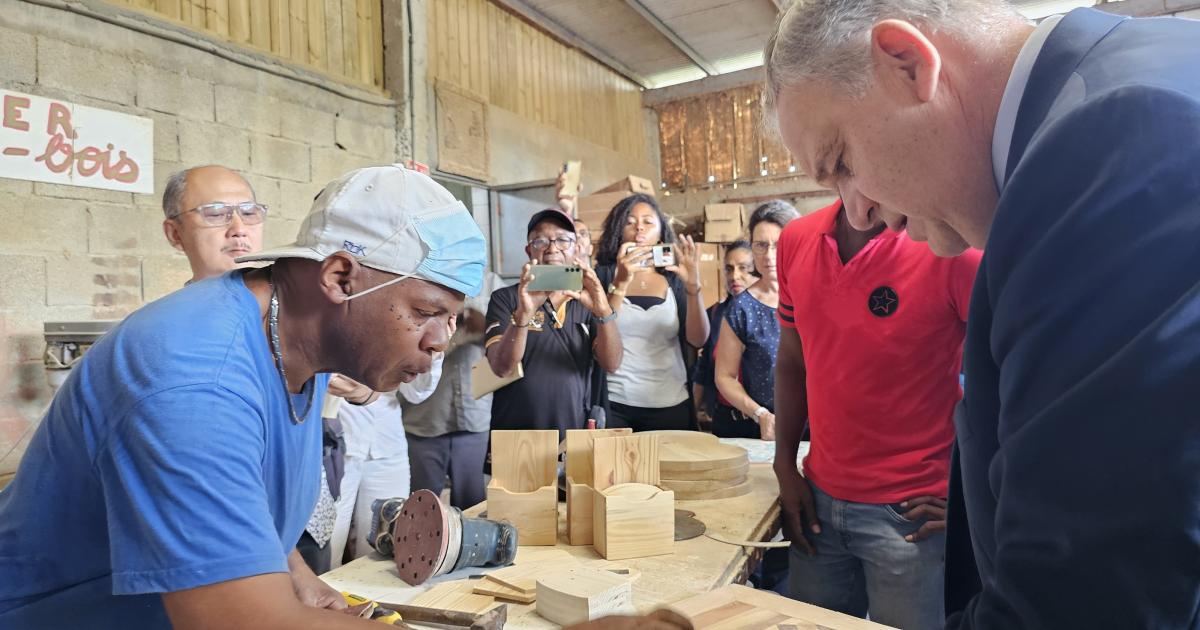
{"x":694,"y":456}
{"x":735,"y":474}
{"x":420,"y":537}
{"x":703,"y":492}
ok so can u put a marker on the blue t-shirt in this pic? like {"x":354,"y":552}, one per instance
{"x":167,"y":461}
{"x":756,"y":327}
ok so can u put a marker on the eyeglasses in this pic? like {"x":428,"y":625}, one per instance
{"x":221,"y":214}
{"x":762,"y":247}
{"x":540,"y":244}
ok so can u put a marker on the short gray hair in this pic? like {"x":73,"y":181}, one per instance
{"x":830,"y":39}
{"x":177,"y":186}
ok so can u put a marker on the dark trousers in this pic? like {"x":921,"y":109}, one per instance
{"x":677,"y":418}
{"x":728,"y":422}
{"x":459,"y":455}
{"x":317,"y":558}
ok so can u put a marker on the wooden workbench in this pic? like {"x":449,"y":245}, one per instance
{"x":696,"y":566}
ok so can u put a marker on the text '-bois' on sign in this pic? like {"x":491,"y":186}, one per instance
{"x":47,"y":140}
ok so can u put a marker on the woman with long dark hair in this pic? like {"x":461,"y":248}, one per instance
{"x":662,"y":319}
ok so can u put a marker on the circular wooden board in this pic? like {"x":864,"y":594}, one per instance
{"x":733,"y":473}
{"x":704,"y":490}
{"x":689,"y":456}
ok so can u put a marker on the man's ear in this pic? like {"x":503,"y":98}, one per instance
{"x":338,"y":272}
{"x":905,"y":59}
{"x":171,"y":231}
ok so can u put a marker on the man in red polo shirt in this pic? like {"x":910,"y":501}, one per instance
{"x":867,"y":516}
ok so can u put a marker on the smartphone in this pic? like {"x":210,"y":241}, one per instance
{"x":571,"y":184}
{"x":663,"y":255}
{"x":556,"y":278}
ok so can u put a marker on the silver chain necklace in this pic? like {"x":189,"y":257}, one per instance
{"x":277,"y":352}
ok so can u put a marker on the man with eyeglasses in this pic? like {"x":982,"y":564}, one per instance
{"x":554,"y":335}
{"x":212,"y":217}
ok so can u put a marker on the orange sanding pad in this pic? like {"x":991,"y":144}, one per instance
{"x":420,"y":537}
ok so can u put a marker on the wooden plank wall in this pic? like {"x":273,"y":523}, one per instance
{"x":720,"y":135}
{"x":484,"y":49}
{"x":342,"y":38}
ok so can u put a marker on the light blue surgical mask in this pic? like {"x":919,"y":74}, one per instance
{"x":457,"y":251}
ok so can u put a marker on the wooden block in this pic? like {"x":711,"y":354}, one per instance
{"x":534,"y":514}
{"x":456,"y":595}
{"x":737,"y":607}
{"x":580,"y":595}
{"x":521,"y":577}
{"x":579,"y":450}
{"x":705,"y":490}
{"x":633,"y":520}
{"x":524,"y":461}
{"x":624,"y":459}
{"x":696,"y":456}
{"x":579,"y":513}
{"x":506,"y":593}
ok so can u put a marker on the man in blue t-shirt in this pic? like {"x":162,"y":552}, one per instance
{"x":181,"y":457}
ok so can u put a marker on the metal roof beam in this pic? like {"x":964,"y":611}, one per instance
{"x":675,"y":39}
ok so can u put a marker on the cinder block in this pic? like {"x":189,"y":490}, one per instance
{"x":125,"y":230}
{"x":65,"y":191}
{"x":112,"y":282}
{"x":166,"y":137}
{"x":210,"y":143}
{"x":306,"y":124}
{"x":277,"y":157}
{"x":42,"y":225}
{"x":163,"y":274}
{"x":22,"y":281}
{"x":280,"y":232}
{"x":363,"y":138}
{"x":296,"y":199}
{"x":15,"y":186}
{"x":18,"y":57}
{"x":249,"y":110}
{"x":330,"y":164}
{"x":79,"y":70}
{"x":173,"y":92}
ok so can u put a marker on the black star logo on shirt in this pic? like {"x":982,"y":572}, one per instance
{"x":883,"y":302}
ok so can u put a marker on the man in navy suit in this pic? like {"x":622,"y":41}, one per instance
{"x":1070,"y":151}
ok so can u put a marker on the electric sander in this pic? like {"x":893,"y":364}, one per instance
{"x":427,"y":538}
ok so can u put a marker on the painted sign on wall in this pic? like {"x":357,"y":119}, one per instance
{"x":46,"y":140}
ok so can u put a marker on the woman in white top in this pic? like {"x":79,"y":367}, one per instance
{"x":662,"y":319}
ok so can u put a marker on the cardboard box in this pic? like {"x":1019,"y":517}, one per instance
{"x":630,"y":184}
{"x":593,"y":209}
{"x":724,"y":222}
{"x":712,"y":273}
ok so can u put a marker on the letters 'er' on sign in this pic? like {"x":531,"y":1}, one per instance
{"x":46,"y":140}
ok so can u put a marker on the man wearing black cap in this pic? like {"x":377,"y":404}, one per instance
{"x":554,"y":336}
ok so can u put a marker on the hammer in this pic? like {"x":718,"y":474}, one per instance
{"x":491,"y":620}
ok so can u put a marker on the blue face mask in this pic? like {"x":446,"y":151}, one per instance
{"x":457,"y":250}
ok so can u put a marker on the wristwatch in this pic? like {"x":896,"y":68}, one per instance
{"x":607,"y":318}
{"x":760,"y":412}
{"x":613,"y":290}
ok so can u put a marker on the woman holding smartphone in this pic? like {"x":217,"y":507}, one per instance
{"x":749,"y":337}
{"x":662,"y":319}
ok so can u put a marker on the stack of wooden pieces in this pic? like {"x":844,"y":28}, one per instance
{"x":697,"y":466}
{"x":518,"y":583}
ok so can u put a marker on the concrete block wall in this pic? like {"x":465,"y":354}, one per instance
{"x":71,"y":253}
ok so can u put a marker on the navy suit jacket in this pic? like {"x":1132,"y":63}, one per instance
{"x":1079,"y":434}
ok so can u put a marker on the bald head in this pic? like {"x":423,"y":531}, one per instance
{"x":210,"y":248}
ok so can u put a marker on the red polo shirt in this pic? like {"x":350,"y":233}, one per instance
{"x":883,"y":337}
